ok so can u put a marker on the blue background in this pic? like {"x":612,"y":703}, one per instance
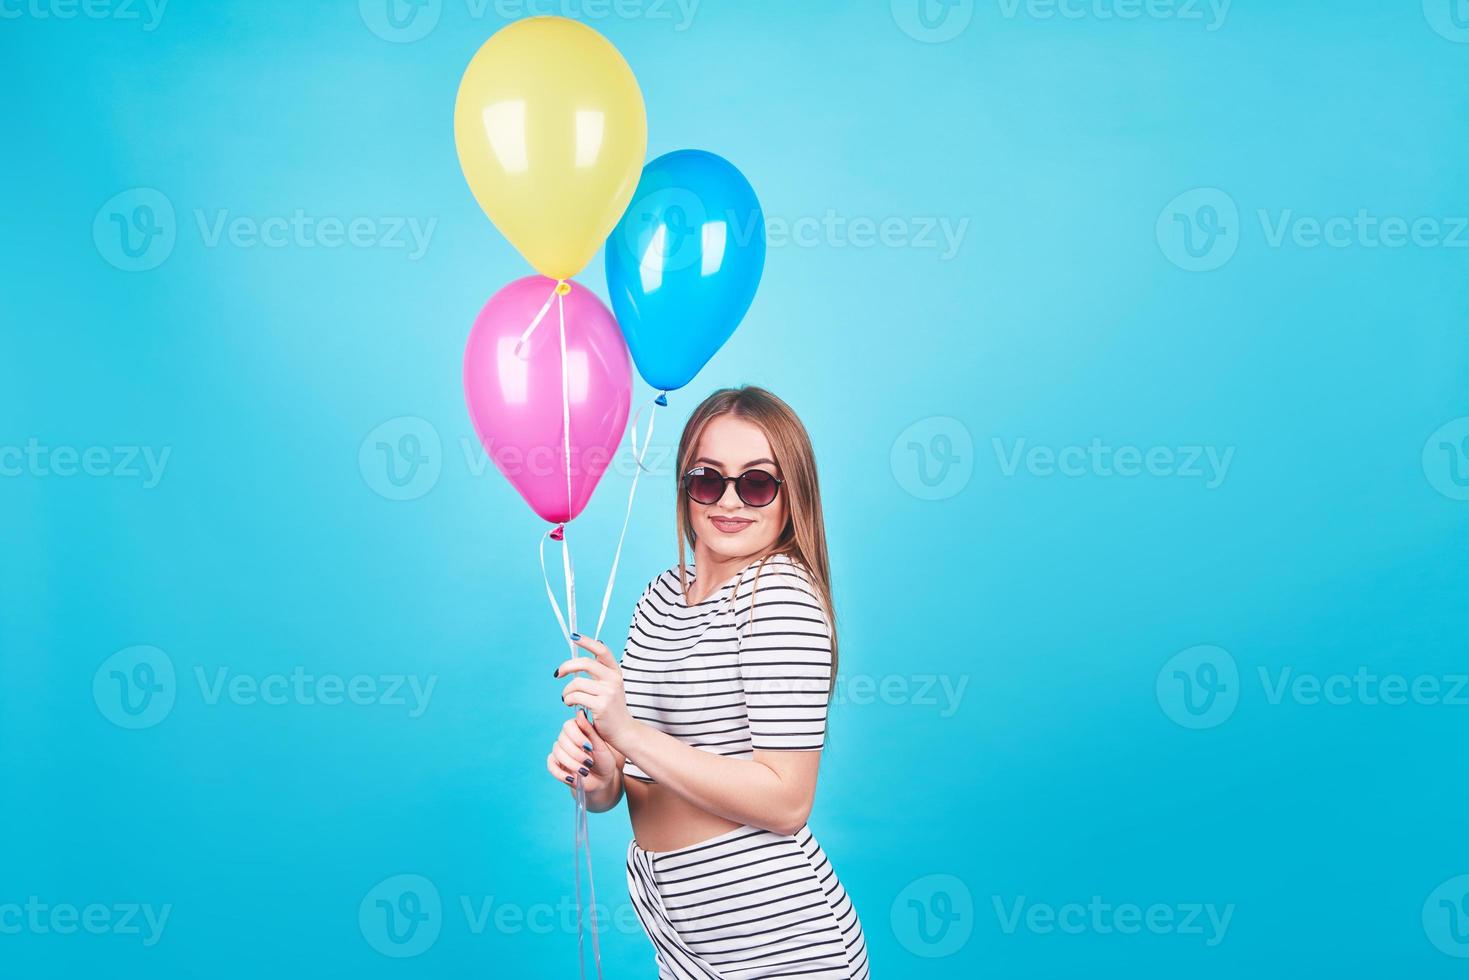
{"x":1071,"y":767}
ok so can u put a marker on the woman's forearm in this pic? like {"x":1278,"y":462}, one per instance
{"x":747,"y":792}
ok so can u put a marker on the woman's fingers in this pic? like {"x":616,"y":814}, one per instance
{"x":572,"y":764}
{"x":595,"y":688}
{"x":573,"y":747}
{"x":555,"y":769}
{"x":596,"y":648}
{"x":583,"y":664}
{"x":589,"y":732}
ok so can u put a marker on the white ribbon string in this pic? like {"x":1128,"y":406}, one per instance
{"x":545,"y":308}
{"x":632,"y":492}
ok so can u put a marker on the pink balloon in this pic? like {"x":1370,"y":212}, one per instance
{"x":515,"y":400}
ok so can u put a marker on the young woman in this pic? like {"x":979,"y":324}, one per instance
{"x":714,"y":721}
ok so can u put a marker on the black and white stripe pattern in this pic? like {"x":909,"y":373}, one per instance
{"x":748,"y":668}
{"x":747,"y":905}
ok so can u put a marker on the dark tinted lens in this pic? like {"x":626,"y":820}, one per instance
{"x":756,"y":488}
{"x":705,"y":486}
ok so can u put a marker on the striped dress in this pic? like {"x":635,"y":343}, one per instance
{"x":748,"y":668}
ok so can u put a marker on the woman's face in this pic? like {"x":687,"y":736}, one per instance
{"x":730,"y":528}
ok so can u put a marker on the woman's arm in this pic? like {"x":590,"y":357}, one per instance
{"x":773,"y":792}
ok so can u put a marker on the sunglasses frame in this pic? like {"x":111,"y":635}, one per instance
{"x":688,"y":479}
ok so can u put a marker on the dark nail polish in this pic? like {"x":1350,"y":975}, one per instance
{"x":556,"y":672}
{"x":583,"y":772}
{"x":570,"y":780}
{"x":589,"y":763}
{"x":587,"y":746}
{"x":575,"y":637}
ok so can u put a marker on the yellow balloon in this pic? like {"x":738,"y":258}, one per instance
{"x":551,"y":132}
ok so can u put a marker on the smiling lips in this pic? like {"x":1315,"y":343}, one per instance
{"x":730,"y":525}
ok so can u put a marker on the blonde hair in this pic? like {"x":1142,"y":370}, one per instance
{"x":804,"y":536}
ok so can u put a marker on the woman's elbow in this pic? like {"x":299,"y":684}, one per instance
{"x":790,"y":821}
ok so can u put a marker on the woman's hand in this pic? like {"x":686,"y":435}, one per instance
{"x":600,"y":691}
{"x":579,"y":750}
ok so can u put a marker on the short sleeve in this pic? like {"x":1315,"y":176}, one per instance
{"x":785,"y":660}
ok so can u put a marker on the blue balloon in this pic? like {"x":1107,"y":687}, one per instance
{"x":684,"y":262}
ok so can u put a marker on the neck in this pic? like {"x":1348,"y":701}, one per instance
{"x":713,"y":570}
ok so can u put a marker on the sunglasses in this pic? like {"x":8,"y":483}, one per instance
{"x":705,"y":485}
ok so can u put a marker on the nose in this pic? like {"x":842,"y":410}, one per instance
{"x":729,"y":489}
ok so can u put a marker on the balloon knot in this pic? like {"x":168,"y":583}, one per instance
{"x":558,"y":532}
{"x":563,"y":288}
{"x":662,"y":399}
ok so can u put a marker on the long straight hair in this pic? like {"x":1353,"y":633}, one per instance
{"x":804,"y":535}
